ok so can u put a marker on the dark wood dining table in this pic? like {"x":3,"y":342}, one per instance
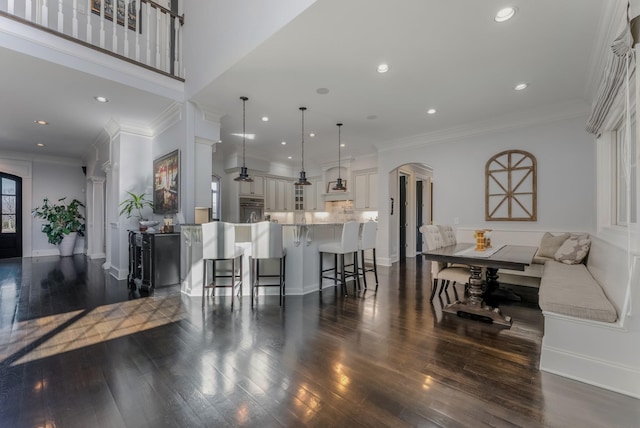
{"x":514,"y":257}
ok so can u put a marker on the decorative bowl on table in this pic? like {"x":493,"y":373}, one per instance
{"x":148,"y":225}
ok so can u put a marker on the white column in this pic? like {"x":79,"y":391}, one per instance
{"x":95,"y":218}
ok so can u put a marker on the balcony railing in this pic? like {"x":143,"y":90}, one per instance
{"x":143,"y":32}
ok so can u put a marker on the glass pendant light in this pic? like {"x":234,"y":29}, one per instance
{"x":244,"y":175}
{"x":302,"y":181}
{"x":339,"y":185}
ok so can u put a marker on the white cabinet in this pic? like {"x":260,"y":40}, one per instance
{"x":365,"y":190}
{"x":254,"y":188}
{"x":279,"y":195}
{"x":313,"y":200}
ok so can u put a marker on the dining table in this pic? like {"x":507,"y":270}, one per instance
{"x":514,"y":257}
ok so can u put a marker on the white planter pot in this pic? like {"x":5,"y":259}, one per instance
{"x":68,"y":244}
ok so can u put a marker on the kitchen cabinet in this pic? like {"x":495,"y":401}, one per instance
{"x":154,"y":260}
{"x":313,"y":199}
{"x":252,"y":188}
{"x":365,"y":190}
{"x":279,"y":195}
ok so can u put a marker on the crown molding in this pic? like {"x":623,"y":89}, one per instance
{"x":34,"y":157}
{"x":209,"y":113}
{"x":543,"y":115}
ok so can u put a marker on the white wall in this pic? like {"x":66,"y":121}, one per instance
{"x":566,"y":181}
{"x":219,"y":33}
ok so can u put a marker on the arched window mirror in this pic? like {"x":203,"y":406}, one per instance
{"x":510,"y":187}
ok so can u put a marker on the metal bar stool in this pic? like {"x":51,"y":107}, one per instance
{"x":266,"y":243}
{"x":347,"y":244}
{"x":368,"y":242}
{"x":219,"y":245}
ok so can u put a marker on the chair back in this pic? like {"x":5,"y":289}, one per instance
{"x":368,"y":236}
{"x":218,"y":240}
{"x":350,"y":232}
{"x":432,"y":236}
{"x":448,"y":235}
{"x":266,"y":240}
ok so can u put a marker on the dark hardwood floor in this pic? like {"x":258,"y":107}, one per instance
{"x":77,"y":351}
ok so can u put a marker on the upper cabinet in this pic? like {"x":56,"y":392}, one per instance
{"x":313,"y":199}
{"x":365,"y":190}
{"x":254,"y":188}
{"x":279,"y":194}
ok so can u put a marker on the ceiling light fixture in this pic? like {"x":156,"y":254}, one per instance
{"x":265,"y":119}
{"x":339,"y":185}
{"x":383,"y":68}
{"x":312,"y":135}
{"x":101,"y":99}
{"x":302,"y":181}
{"x":40,"y":144}
{"x":505,"y":14}
{"x":244,"y":175}
{"x":521,"y":86}
{"x":431,"y":111}
{"x":41,"y":122}
{"x":284,"y":143}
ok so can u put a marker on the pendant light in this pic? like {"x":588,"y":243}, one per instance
{"x":302,"y":181}
{"x":244,"y":175}
{"x":339,"y":185}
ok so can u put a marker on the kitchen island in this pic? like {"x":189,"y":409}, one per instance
{"x":300,"y":240}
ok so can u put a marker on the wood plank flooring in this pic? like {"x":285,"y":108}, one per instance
{"x":76,"y":350}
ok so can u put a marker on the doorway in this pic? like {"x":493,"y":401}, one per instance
{"x":11,"y":216}
{"x":403,"y":218}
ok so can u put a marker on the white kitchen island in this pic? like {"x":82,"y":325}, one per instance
{"x":300,"y":240}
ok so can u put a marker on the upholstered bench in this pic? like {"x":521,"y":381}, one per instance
{"x":572,"y":290}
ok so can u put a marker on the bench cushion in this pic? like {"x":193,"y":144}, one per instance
{"x":571,"y":290}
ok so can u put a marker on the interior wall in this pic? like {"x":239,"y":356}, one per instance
{"x":566,"y":177}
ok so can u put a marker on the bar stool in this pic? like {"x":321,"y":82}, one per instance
{"x":266,"y":243}
{"x":347,"y":244}
{"x":218,"y":245}
{"x":368,"y":242}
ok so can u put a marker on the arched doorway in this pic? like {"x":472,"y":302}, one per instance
{"x":10,"y":215}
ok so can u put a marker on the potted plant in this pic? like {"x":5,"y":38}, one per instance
{"x":133,"y":206}
{"x":64,"y":222}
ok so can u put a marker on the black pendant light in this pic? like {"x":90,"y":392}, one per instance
{"x":302,"y":181}
{"x":339,"y":185}
{"x":244,"y":175}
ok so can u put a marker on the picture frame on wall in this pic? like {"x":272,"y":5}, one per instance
{"x":132,"y":17}
{"x":166,"y":183}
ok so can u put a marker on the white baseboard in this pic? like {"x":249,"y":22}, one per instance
{"x":583,"y":368}
{"x":97,"y":256}
{"x":118,"y":273}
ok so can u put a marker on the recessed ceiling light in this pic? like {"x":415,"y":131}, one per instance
{"x":101,"y":99}
{"x":289,"y":157}
{"x":431,"y":111}
{"x":41,"y":122}
{"x":342,"y":145}
{"x":40,"y":144}
{"x":312,"y":135}
{"x":505,"y":14}
{"x":265,"y":119}
{"x":521,"y":86}
{"x":284,"y":143}
{"x":383,"y":68}
{"x":322,"y":91}
{"x":248,"y":136}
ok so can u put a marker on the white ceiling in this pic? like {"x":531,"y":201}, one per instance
{"x":447,"y":55}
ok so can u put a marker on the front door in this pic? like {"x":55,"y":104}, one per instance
{"x":11,"y":216}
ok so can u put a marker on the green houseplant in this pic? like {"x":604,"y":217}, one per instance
{"x":61,"y":219}
{"x":134,"y":204}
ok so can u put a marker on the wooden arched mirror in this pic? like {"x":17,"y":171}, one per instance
{"x":511,"y":187}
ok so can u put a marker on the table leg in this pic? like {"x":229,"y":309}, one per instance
{"x":494,"y":292}
{"x":474,"y":308}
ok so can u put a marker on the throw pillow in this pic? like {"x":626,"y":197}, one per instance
{"x":573,"y":250}
{"x":549,"y":244}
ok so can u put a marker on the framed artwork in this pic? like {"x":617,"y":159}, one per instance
{"x":332,"y":184}
{"x":511,"y":191}
{"x":132,"y":17}
{"x":166,"y":183}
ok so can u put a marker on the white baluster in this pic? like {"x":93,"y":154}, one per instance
{"x":158,"y":38}
{"x":89,"y":36}
{"x":60,"y":17}
{"x":10,"y":7}
{"x":74,"y":19}
{"x":167,"y":42}
{"x":138,"y":19}
{"x":126,"y":29}
{"x":45,"y":14}
{"x":148,"y":26}
{"x":27,"y":10}
{"x":176,"y":52}
{"x":114,"y":14}
{"x":102,"y":19}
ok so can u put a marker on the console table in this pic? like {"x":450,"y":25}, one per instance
{"x":154,"y":260}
